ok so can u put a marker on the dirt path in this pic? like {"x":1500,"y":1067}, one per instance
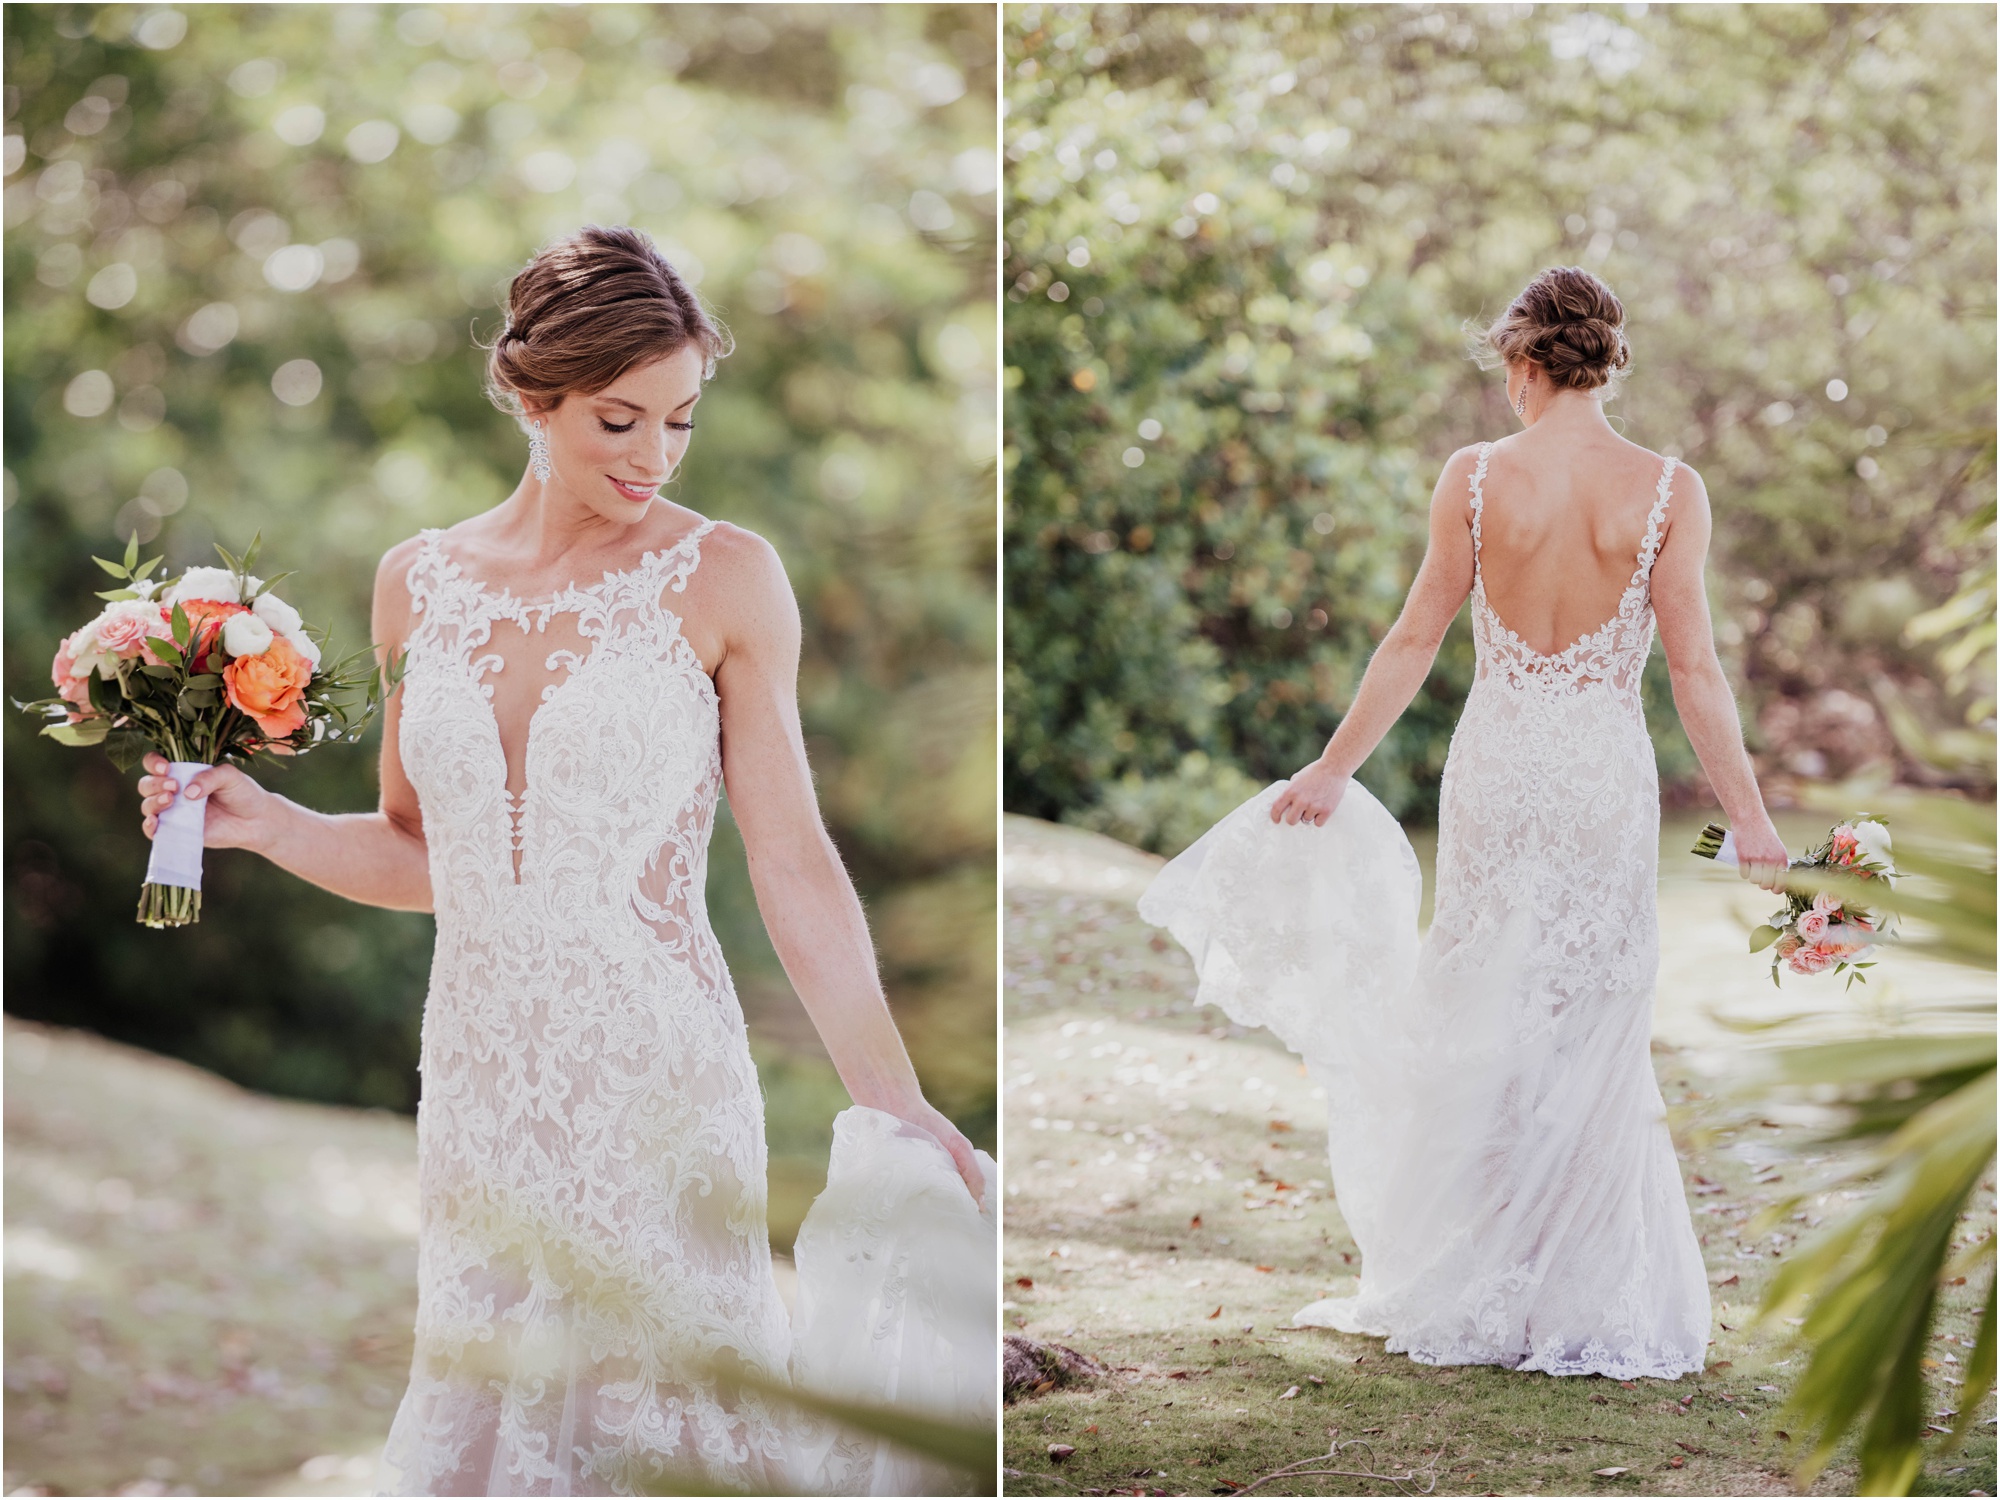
{"x":208,"y":1291}
{"x":1167,"y":1212}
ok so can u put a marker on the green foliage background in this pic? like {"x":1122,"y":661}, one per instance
{"x":1241,"y":244}
{"x":827,"y":177}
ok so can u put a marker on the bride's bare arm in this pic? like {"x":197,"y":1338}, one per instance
{"x":1403,"y":660}
{"x":377,"y":858}
{"x":808,"y":903}
{"x":1701,"y":693}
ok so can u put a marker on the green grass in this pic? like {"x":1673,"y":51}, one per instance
{"x":1131,"y":1115}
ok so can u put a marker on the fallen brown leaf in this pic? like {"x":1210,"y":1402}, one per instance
{"x":1266,"y":1269}
{"x":1060,"y":1451}
{"x":1024,"y":1281}
{"x":1214,"y":1315}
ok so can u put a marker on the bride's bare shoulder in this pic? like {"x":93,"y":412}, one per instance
{"x":742,"y":572}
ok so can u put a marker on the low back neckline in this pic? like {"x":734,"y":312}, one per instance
{"x":1649,"y":548}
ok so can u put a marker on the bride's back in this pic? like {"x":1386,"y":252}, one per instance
{"x":1563,"y":521}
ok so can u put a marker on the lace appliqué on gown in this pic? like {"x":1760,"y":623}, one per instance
{"x":1497,"y":1135}
{"x":591,"y":1157}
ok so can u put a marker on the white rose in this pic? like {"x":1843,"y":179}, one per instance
{"x":246,"y":635}
{"x":304,"y":644}
{"x":1872,"y":839}
{"x":217,"y":585}
{"x":279,"y":615}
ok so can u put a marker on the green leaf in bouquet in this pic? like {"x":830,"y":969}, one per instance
{"x":183,"y":632}
{"x":158,"y":670}
{"x":228,"y":558}
{"x":167,"y":651}
{"x":89,"y":732}
{"x":186,"y":710}
{"x":250,"y":553}
{"x":1763,"y":936}
{"x":126,"y":748}
{"x":147,"y":568}
{"x":272,"y":582}
{"x":131,"y":552}
{"x":110,"y":567}
{"x":116,"y":594}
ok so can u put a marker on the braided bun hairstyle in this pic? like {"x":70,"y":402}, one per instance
{"x":587,"y":309}
{"x":1569,"y":323}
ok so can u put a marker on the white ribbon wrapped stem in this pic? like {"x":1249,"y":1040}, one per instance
{"x":177,"y":838}
{"x":1726,"y":855}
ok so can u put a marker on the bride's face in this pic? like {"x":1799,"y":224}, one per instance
{"x":614,"y":449}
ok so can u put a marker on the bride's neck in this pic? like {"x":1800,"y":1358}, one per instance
{"x":1572,"y":411}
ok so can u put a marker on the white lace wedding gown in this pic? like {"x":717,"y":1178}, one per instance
{"x":1498,"y":1140}
{"x":592,"y":1249}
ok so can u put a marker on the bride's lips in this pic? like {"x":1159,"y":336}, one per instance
{"x":633,"y":491}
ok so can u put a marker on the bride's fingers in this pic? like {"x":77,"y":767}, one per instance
{"x":150,"y":824}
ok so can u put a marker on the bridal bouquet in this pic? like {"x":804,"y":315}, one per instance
{"x":206,"y":668}
{"x":1820,"y":931}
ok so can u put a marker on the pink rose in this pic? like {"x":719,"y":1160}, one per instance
{"x":1845,"y":844}
{"x":1826,"y":905}
{"x":123,"y":629}
{"x":1813,"y":925}
{"x":1789,"y":944}
{"x":72,"y":686}
{"x":1811,"y":961}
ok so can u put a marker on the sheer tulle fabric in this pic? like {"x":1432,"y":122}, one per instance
{"x":591,"y":1136}
{"x":1498,"y":1139}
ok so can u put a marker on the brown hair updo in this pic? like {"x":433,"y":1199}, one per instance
{"x":587,"y":309}
{"x":1568,"y":322}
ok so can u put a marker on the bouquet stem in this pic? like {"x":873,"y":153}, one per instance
{"x":171,"y":896}
{"x":168,"y":905}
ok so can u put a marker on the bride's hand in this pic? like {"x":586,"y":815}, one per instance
{"x":1761,"y":856}
{"x":1311,"y":797}
{"x":948,"y":1136}
{"x":237,"y":806}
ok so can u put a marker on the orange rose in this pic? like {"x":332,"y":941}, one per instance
{"x":205,"y":618}
{"x":269,"y":686}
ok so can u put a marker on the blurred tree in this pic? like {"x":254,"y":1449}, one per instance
{"x":249,"y":252}
{"x":1241,"y":243}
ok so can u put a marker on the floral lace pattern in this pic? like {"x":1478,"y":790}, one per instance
{"x":1497,"y":1134}
{"x":591,"y":1134}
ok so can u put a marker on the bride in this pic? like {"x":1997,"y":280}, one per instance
{"x":1498,"y":1139}
{"x":587,"y":665}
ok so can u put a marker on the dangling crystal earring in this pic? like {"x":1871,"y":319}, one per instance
{"x":1521,"y":401}
{"x":538,"y":452}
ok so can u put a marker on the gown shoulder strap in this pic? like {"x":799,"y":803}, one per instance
{"x":1656,"y":518}
{"x":1479,"y":497}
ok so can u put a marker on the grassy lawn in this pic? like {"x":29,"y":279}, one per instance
{"x":1167,"y":1213}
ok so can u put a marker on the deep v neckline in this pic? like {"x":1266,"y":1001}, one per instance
{"x":502,"y":604}
{"x":1649,"y":547}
